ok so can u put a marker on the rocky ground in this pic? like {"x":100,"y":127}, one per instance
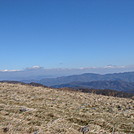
{"x":26,"y":109}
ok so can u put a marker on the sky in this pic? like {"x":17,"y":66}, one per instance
{"x":66,"y":33}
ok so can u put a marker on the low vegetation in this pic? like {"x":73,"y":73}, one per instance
{"x":26,"y":109}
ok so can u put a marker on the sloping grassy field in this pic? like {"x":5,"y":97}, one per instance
{"x":25,"y":109}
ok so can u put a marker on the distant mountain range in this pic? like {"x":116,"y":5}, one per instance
{"x":87,"y":77}
{"x":117,"y":81}
{"x":116,"y":85}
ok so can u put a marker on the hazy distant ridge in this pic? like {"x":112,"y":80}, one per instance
{"x":114,"y":85}
{"x":88,"y":77}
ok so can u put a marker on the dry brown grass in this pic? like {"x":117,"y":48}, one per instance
{"x":36,"y":110}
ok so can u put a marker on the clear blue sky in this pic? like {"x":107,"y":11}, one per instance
{"x":66,"y":33}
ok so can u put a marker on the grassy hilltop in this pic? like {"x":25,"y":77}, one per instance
{"x":26,"y":109}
